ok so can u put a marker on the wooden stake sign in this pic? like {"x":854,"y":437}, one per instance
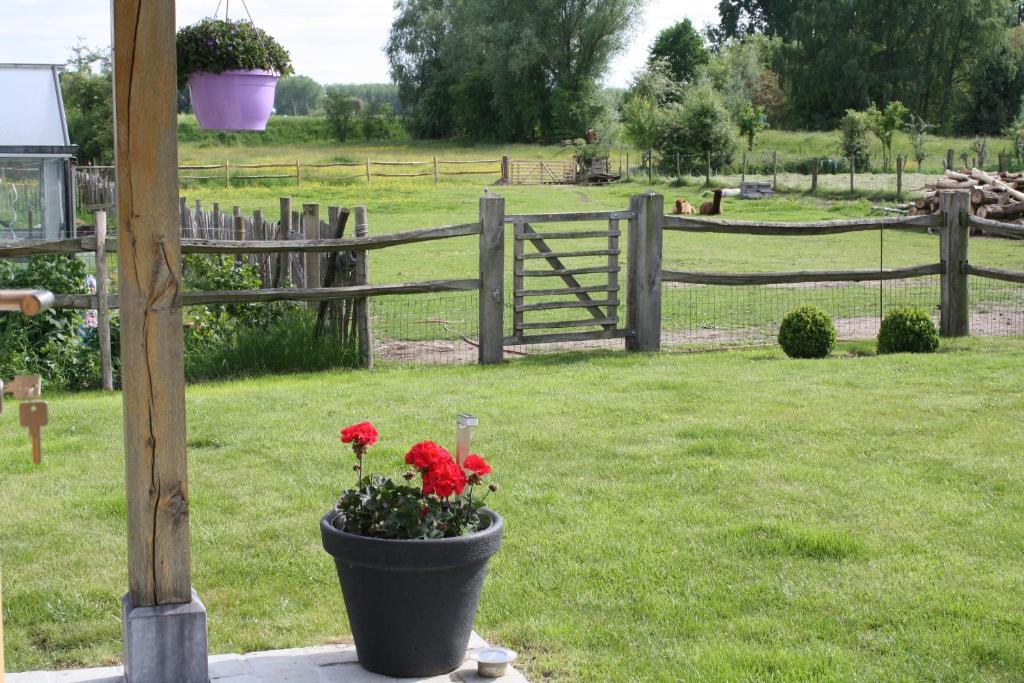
{"x":34,"y":415}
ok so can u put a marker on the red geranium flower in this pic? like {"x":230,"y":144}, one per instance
{"x":362,"y":434}
{"x":477,"y":465}
{"x":424,"y":454}
{"x":443,"y":478}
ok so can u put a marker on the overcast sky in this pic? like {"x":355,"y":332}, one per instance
{"x":334,"y":41}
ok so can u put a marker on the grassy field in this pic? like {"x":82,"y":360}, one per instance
{"x":733,"y":516}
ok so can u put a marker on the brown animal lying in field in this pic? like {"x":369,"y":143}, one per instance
{"x":684,"y":207}
{"x":712,"y":208}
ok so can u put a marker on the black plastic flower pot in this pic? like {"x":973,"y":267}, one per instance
{"x":411,"y":603}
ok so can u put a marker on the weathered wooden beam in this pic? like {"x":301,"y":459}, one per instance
{"x":492,"y":279}
{"x":955,"y":211}
{"x":251,"y":296}
{"x":567,"y":290}
{"x":695,"y":278}
{"x":687,"y":224}
{"x":644,"y":275}
{"x":565,"y":337}
{"x":102,"y":309}
{"x":996,"y":274}
{"x":149,"y":264}
{"x":555,"y":324}
{"x":327,"y":245}
{"x":553,"y":305}
{"x":526,"y":231}
{"x":568,"y":217}
{"x":568,"y":235}
{"x":997,"y":228}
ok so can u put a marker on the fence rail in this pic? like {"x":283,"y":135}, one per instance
{"x":801,"y":277}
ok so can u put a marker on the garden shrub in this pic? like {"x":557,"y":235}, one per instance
{"x":907,"y":330}
{"x":48,"y":343}
{"x":807,"y":332}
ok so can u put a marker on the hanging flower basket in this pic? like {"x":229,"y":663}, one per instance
{"x":412,"y":559}
{"x":231,"y":69}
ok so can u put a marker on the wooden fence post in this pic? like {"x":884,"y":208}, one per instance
{"x":743,"y":177}
{"x":217,"y":221}
{"x":102,"y":303}
{"x":677,"y":164}
{"x":627,"y":164}
{"x":227,"y":174}
{"x":644,"y":272}
{"x":282,"y":271}
{"x":436,"y":176}
{"x":707,"y":174}
{"x":506,"y":170}
{"x":367,"y":170}
{"x":298,"y":174}
{"x":362,"y":306}
{"x":853,"y":170}
{"x":492,"y":279}
{"x":239,"y":235}
{"x":949,"y":160}
{"x":775,"y":169}
{"x":814,"y":175}
{"x":899,"y":178}
{"x":955,"y":295}
{"x":311,"y":231}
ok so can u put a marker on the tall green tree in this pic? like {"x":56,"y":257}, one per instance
{"x":527,"y":70}
{"x":87,"y":88}
{"x":298,"y":96}
{"x":682,"y":48}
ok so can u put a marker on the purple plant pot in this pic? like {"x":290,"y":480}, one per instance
{"x":233,"y":100}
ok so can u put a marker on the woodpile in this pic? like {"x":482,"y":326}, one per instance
{"x":998,"y":197}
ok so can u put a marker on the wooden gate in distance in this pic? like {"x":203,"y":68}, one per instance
{"x":536,"y":261}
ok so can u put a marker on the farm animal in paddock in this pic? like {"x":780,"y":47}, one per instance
{"x":712,"y":208}
{"x":684,"y":207}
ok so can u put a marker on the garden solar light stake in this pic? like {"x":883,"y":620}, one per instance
{"x":464,"y":424}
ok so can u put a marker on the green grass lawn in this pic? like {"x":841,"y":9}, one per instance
{"x":730,"y":516}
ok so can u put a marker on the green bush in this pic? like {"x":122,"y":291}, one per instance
{"x":907,"y":330}
{"x":807,"y":332}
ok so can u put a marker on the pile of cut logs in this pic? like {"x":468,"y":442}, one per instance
{"x":998,"y":197}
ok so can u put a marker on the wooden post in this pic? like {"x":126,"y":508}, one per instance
{"x":217,"y":221}
{"x":227,"y":174}
{"x":707,"y":174}
{"x":259,"y":232}
{"x":298,"y":174}
{"x":949,"y":160}
{"x":899,"y":178}
{"x":183,"y":216}
{"x":627,"y":164}
{"x":282,"y":271}
{"x":743,"y":177}
{"x":506,"y":169}
{"x":492,"y":279}
{"x":853,"y":170}
{"x":436,"y":176}
{"x":677,"y":164}
{"x":650,"y":165}
{"x":362,"y":306}
{"x":814,"y":175}
{"x":239,"y":235}
{"x":775,"y":169}
{"x":367,"y":170}
{"x":311,"y":231}
{"x":955,"y":207}
{"x":644,"y":272}
{"x":102,"y":302}
{"x":149,"y":262}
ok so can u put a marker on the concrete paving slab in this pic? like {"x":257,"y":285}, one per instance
{"x":320,"y":664}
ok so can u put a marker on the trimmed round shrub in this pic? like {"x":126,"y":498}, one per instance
{"x":907,"y":330}
{"x":807,"y":332}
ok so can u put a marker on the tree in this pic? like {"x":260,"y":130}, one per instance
{"x":884,"y":124}
{"x":742,"y":73}
{"x":340,"y":110}
{"x":918,"y":129}
{"x":699,"y":130}
{"x":527,"y":70}
{"x":87,"y":89}
{"x":682,"y":48}
{"x":752,"y":120}
{"x":853,"y":130}
{"x":298,"y":95}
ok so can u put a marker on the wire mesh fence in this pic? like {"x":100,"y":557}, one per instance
{"x":997,"y":307}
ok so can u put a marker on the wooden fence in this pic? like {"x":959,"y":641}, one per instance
{"x":96,"y":185}
{"x":302,"y":234}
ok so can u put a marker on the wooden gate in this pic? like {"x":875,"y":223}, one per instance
{"x":535,"y":262}
{"x":542,"y":172}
